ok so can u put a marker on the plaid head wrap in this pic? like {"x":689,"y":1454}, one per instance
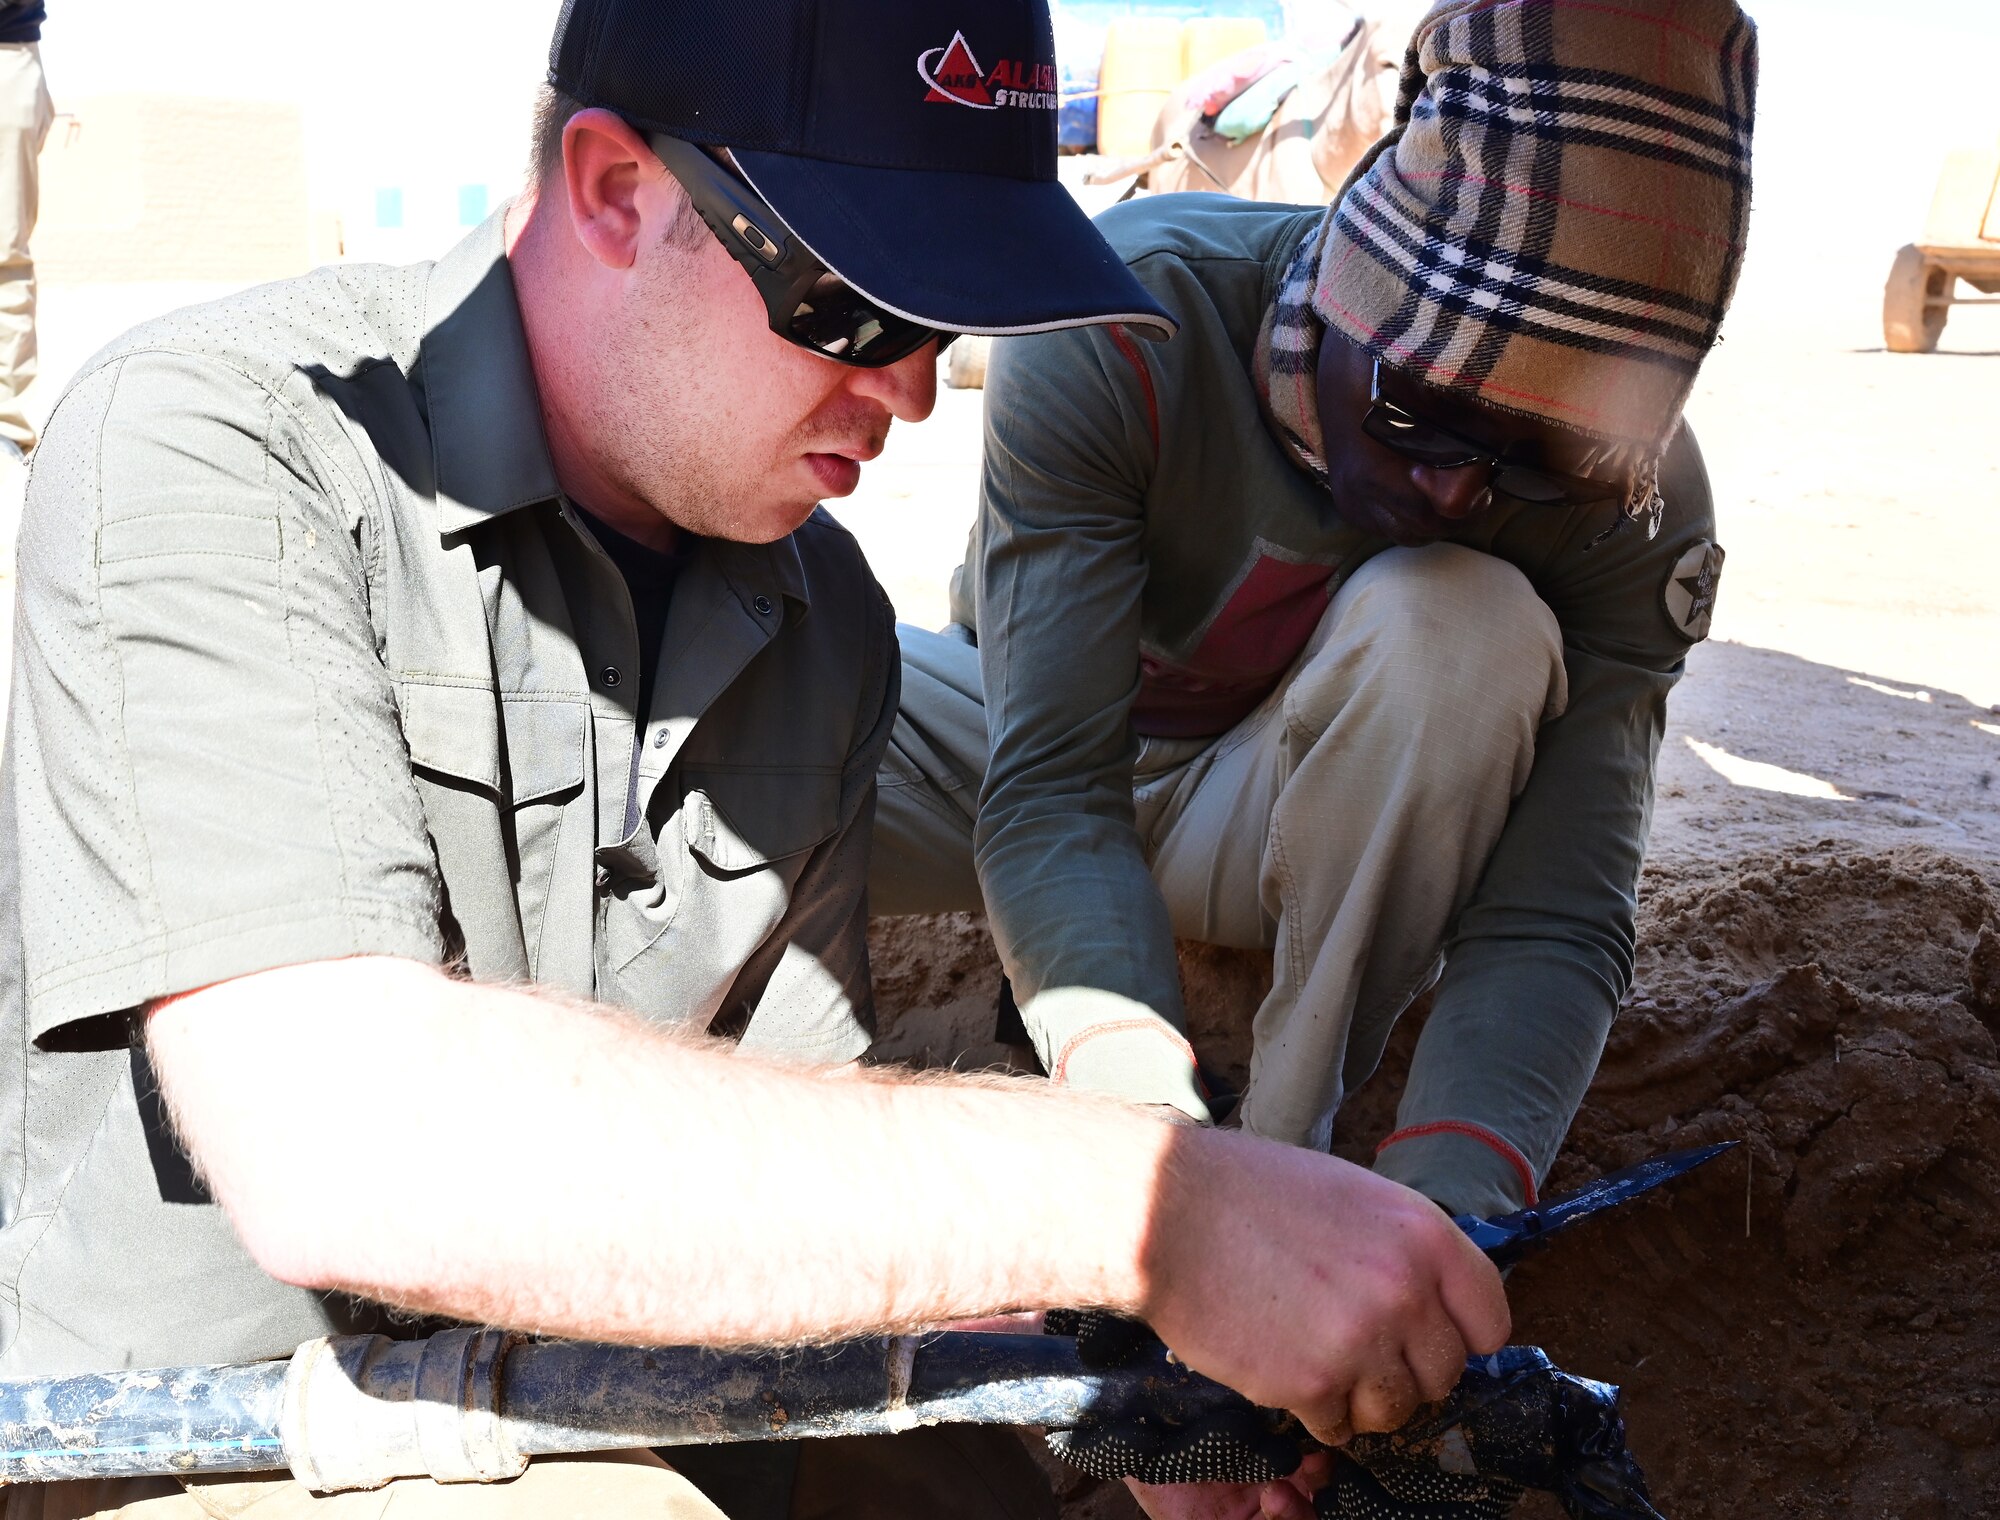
{"x":1552,"y":228}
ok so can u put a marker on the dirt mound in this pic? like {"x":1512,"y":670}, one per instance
{"x":937,"y":990}
{"x":1811,"y":1327}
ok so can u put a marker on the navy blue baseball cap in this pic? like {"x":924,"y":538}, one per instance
{"x":910,"y":144}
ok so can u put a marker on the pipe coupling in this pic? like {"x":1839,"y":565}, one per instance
{"x":363,"y":1410}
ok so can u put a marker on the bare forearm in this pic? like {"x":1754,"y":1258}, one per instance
{"x":517,"y":1162}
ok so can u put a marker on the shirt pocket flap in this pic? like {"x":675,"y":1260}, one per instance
{"x":544,"y":746}
{"x":453,"y":731}
{"x":744,"y":820}
{"x":457,"y":731}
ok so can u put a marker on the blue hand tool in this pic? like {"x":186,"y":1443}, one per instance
{"x":1506,"y":1238}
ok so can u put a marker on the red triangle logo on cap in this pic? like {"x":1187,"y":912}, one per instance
{"x":957,"y":77}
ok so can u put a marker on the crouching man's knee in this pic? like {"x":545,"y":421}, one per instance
{"x":1447,"y":649}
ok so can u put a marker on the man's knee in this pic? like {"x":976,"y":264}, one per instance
{"x":928,"y":795}
{"x":940,"y":735}
{"x":1441,"y":636}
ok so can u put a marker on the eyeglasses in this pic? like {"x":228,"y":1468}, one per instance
{"x":808,"y":304}
{"x":1429,"y":443}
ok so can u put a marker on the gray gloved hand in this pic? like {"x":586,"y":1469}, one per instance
{"x":1238,"y":1444}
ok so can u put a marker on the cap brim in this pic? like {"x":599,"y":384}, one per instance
{"x":968,"y":253}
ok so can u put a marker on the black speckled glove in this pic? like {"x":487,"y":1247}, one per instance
{"x":1239,"y":1444}
{"x":1515,"y":1421}
{"x":1413,"y":1493}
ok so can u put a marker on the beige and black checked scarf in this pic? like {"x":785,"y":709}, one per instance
{"x":1552,"y":228}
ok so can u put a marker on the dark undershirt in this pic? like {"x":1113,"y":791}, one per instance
{"x":649,"y":576}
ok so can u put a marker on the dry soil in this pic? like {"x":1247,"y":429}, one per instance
{"x":1805,"y":1329}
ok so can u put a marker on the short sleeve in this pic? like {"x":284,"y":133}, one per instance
{"x":211,"y":779}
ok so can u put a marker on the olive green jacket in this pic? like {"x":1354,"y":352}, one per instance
{"x":1148,"y":561}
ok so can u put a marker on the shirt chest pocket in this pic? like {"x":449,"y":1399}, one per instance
{"x":503,"y":788}
{"x":744,"y":836}
{"x":736,"y":820}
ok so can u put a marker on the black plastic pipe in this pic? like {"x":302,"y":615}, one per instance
{"x":354,"y":1412}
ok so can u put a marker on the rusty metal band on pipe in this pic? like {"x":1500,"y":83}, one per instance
{"x":470,"y":1405}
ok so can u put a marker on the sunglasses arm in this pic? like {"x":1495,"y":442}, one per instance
{"x":748,"y":229}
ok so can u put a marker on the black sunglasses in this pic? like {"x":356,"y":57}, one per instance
{"x":1429,"y":443}
{"x":808,"y":303}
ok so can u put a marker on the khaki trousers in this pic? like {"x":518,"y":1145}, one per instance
{"x":1342,"y":825}
{"x":963,"y":1472}
{"x":25,"y":115}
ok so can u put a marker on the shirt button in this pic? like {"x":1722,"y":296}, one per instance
{"x":660,"y":739}
{"x":603,"y":880}
{"x":610,"y":676}
{"x":763,"y":606}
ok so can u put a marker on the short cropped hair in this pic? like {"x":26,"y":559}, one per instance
{"x":553,"y":110}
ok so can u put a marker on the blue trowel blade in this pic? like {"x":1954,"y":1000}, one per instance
{"x":1507,"y":1237}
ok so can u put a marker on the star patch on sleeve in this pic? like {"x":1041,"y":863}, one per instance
{"x":1689,"y":594}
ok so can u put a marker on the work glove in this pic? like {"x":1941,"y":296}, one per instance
{"x":1515,"y":1421}
{"x":1413,"y":1491}
{"x":1239,"y":1443}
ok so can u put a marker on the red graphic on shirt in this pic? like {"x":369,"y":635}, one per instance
{"x":1248,"y":648}
{"x":958,"y":79}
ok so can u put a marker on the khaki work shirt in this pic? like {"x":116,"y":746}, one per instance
{"x":313,"y":661}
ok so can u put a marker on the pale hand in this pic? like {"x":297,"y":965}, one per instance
{"x":1309,"y":1284}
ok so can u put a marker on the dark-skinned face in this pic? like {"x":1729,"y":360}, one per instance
{"x":1380,"y":491}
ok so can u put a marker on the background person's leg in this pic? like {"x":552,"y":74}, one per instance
{"x":1347,"y":821}
{"x":25,"y":114}
{"x":929,"y":782}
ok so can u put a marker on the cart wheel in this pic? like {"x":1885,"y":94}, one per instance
{"x":965,"y":364}
{"x":1914,"y":303}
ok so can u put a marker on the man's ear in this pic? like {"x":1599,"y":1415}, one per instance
{"x":613,"y":179}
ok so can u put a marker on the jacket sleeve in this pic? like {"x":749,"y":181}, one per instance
{"x":1541,"y":958}
{"x":1081,"y":927}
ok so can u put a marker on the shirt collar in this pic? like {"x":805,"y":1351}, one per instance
{"x":776,"y":566}
{"x":487,"y":443}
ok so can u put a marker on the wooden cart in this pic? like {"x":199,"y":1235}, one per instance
{"x":1961,"y":242}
